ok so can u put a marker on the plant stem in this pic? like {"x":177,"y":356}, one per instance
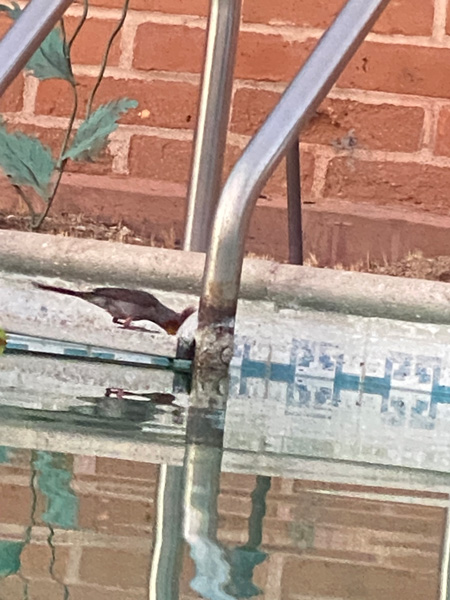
{"x":25,"y":199}
{"x":80,"y":25}
{"x":61,"y":163}
{"x":105,"y":57}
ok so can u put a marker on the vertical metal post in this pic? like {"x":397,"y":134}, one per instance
{"x":212,"y":124}
{"x":294,"y":203}
{"x":215,"y":334}
{"x":26,"y":35}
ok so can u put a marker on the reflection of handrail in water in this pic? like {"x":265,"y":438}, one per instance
{"x":244,"y":559}
{"x":202,"y":485}
{"x":225,"y":256}
{"x":167,"y":554}
{"x":221,"y":573}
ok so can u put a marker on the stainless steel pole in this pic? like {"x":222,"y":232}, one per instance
{"x":294,"y":204}
{"x":214,"y":338}
{"x":212,"y":124}
{"x":26,"y":35}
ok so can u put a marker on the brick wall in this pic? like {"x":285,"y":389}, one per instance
{"x":322,"y":540}
{"x":382,"y":136}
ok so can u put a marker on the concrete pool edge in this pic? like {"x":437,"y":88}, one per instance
{"x":287,"y":286}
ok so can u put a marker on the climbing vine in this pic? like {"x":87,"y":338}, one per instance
{"x":31,"y":167}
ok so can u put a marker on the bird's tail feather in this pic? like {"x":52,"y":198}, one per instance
{"x":59,"y":290}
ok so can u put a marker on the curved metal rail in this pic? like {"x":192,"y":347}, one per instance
{"x":263,"y":153}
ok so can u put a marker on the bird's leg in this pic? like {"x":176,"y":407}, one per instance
{"x":127,"y":323}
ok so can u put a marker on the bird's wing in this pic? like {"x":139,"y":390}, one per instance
{"x":138,"y":297}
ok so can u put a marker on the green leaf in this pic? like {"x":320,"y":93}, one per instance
{"x":51,"y":59}
{"x":26,"y":160}
{"x":13,"y":12}
{"x":92,"y":135}
{"x":10,"y":557}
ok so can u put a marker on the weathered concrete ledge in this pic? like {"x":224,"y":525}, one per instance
{"x":106,"y":263}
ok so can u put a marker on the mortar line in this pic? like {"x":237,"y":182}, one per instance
{"x":439,"y":21}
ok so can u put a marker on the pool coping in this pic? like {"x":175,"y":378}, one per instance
{"x":287,"y":286}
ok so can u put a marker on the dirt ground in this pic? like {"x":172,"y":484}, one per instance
{"x":81,"y":226}
{"x":414,"y":265}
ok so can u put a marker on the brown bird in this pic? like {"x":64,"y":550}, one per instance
{"x":126,"y":305}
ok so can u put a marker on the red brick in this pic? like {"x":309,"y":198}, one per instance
{"x":170,"y":160}
{"x":15,"y":504}
{"x":233,"y":504}
{"x":416,"y":562}
{"x":55,"y":98}
{"x":250,"y":109}
{"x":12,"y":588}
{"x":158,"y":158}
{"x":307,"y":165}
{"x":124,"y":569}
{"x":351,"y":517}
{"x":401,"y":69}
{"x":447,"y":25}
{"x":408,"y":17}
{"x":443,"y":132}
{"x":161,"y":103}
{"x":126,"y":469}
{"x":5,"y":24}
{"x":86,"y":592}
{"x":376,"y":126}
{"x":37,"y":558}
{"x":301,"y":484}
{"x":185,"y":7}
{"x":91,"y":42}
{"x":115,"y":515}
{"x":90,"y":45}
{"x":353,"y":581}
{"x":12,"y":99}
{"x":404,"y":184}
{"x":270,"y":57}
{"x":305,"y":13}
{"x":39,"y":589}
{"x":169,"y":48}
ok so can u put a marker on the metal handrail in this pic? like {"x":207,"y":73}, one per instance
{"x":212,"y":122}
{"x":258,"y":161}
{"x":26,"y":35}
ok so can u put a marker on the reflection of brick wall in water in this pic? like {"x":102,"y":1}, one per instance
{"x":322,"y":539}
{"x":107,"y":555}
{"x":324,"y":542}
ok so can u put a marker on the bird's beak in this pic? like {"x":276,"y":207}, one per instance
{"x":171,"y":328}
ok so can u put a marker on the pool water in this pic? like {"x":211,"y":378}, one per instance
{"x":326,"y":486}
{"x":77,"y":526}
